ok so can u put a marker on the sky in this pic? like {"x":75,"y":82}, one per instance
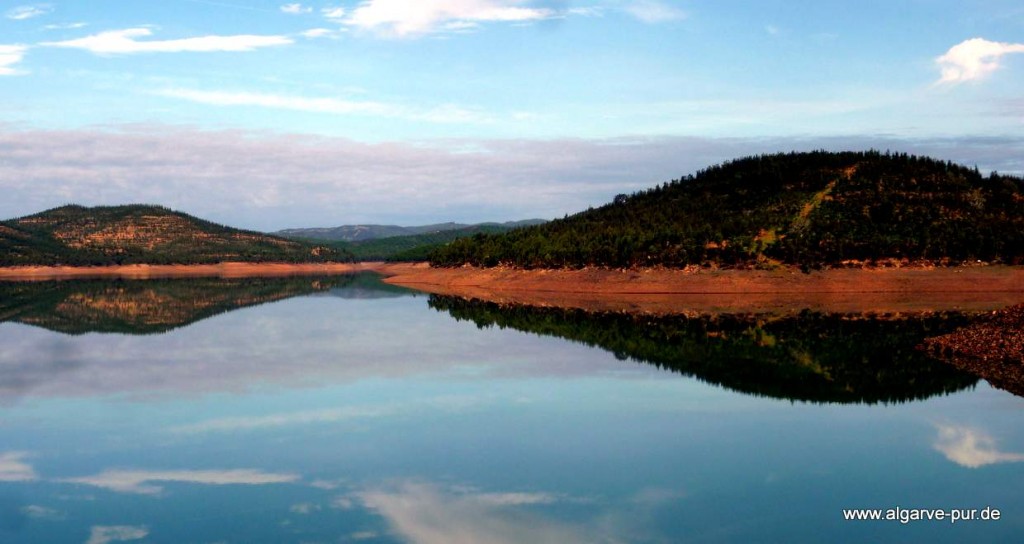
{"x":272,"y":115}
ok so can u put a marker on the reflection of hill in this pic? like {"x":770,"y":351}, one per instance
{"x":809,"y":357}
{"x":155,"y":306}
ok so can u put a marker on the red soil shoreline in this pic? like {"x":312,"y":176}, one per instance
{"x":882,"y":290}
{"x":147,"y":271}
{"x":654,"y":290}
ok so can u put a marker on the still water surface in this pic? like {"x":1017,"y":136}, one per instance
{"x":345,"y":410}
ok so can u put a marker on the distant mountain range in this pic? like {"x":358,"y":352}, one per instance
{"x":359,"y":233}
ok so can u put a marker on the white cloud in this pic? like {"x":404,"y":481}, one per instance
{"x":296,"y":103}
{"x":772,"y":30}
{"x":401,"y":18}
{"x":66,"y":26}
{"x":11,"y":55}
{"x":13,"y":468}
{"x":337,"y":106}
{"x":974,"y":59}
{"x":334,"y":14}
{"x":21,"y":13}
{"x":104,"y":534}
{"x":653,"y":11}
{"x":971,"y":447}
{"x":124,"y":42}
{"x":296,"y":9}
{"x":318,"y":33}
{"x":142,"y":481}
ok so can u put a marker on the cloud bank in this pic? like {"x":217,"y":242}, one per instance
{"x":271,"y":181}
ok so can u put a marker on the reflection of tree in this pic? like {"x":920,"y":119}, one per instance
{"x":809,"y":357}
{"x":157,"y":306}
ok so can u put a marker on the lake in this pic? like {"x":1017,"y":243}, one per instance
{"x":342,"y":409}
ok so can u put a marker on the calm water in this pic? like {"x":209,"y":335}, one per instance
{"x":344,"y":410}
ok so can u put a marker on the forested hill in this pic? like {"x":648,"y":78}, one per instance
{"x":138,"y":234}
{"x":807,"y":209}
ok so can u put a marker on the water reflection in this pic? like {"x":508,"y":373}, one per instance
{"x":971,"y":447}
{"x":356,"y":413}
{"x":834,"y":358}
{"x":160,"y":305}
{"x":428,"y":514}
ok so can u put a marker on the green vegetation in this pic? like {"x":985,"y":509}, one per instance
{"x":137,"y":234}
{"x":364,"y":233}
{"x":809,"y":209}
{"x":808,"y":357}
{"x":415,"y":247}
{"x":158,"y":306}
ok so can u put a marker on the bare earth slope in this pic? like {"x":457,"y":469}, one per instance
{"x":660,"y":290}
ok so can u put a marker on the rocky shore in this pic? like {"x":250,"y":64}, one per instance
{"x":992,"y":348}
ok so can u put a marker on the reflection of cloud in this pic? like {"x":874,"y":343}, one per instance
{"x":655,"y":496}
{"x":35,"y":511}
{"x":140,"y":481}
{"x":453,"y":403}
{"x":286,"y":419}
{"x":328,"y":485}
{"x":971,"y":447}
{"x":423,"y":513}
{"x":14,"y":469}
{"x":304,"y":508}
{"x":103,"y":534}
{"x":514,"y":499}
{"x":343,"y":502}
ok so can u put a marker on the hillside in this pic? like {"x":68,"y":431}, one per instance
{"x":807,"y":209}
{"x":413,"y":247}
{"x":139,"y":234}
{"x":362,"y":233}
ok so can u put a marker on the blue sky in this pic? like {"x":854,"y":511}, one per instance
{"x":279,"y":114}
